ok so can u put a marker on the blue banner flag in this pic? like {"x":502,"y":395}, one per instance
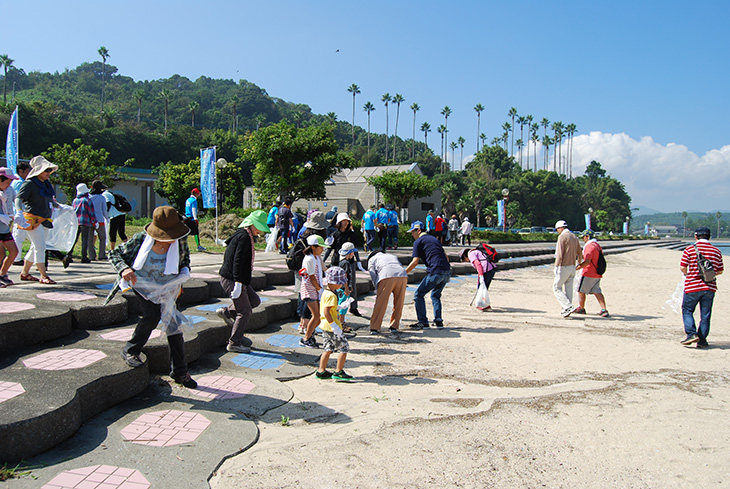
{"x":11,"y":144}
{"x":626,"y":227}
{"x":208,"y":184}
{"x":588,"y":221}
{"x":500,"y":213}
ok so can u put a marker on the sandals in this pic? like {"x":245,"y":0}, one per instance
{"x":47,"y":281}
{"x":579,"y":310}
{"x":28,"y":278}
{"x":346,"y":329}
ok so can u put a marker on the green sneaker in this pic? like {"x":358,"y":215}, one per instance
{"x":323,"y":375}
{"x":342,"y":375}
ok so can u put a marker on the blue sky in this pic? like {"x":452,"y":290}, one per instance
{"x":621,"y":71}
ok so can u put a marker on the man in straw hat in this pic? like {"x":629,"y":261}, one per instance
{"x":236,"y":279}
{"x":155,"y":263}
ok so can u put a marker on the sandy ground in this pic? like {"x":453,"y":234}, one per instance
{"x":518,"y":397}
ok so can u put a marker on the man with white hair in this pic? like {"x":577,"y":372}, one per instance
{"x":567,"y":254}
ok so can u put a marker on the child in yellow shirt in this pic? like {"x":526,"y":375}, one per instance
{"x":333,"y":338}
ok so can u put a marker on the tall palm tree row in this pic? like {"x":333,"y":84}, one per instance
{"x":104,"y":53}
{"x":544,"y":122}
{"x":521,"y":121}
{"x":506,"y":127}
{"x":461,"y":142}
{"x":479,"y":108}
{"x":425,"y":129}
{"x":415,"y":108}
{"x":6,"y":62}
{"x":453,"y":147}
{"x":446,"y":112}
{"x":442,"y":130}
{"x":512,"y":113}
{"x":354,"y":90}
{"x":397,"y":101}
{"x":386,"y":98}
{"x":166,"y":94}
{"x":571,"y":129}
{"x":368,"y":107}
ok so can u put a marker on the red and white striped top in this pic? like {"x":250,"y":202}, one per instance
{"x":692,"y":281}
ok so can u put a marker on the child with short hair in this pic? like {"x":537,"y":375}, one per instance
{"x":333,"y":337}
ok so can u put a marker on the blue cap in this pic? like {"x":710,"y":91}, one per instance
{"x":416,"y":225}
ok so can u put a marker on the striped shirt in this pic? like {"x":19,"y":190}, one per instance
{"x":692,"y":281}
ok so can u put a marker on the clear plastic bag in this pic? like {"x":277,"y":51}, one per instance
{"x":675,"y":302}
{"x":172,"y":321}
{"x":481,"y":299}
{"x":65,"y":227}
{"x":271,"y":240}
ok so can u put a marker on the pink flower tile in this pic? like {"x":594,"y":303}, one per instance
{"x":7,"y":307}
{"x":66,"y":296}
{"x":125,"y":334}
{"x":165,"y":428}
{"x":277,"y":293}
{"x":204,"y":276}
{"x":99,"y":477}
{"x":64,"y":359}
{"x":8,"y":390}
{"x":221,"y":387}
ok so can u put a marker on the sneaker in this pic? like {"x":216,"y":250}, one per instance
{"x":374,"y":332}
{"x":310,"y":343}
{"x":439,"y":324}
{"x":418,"y":326}
{"x":342,"y":375}
{"x":185,"y":379}
{"x":302,"y":329}
{"x":691,"y":338}
{"x":202,"y":248}
{"x":6,"y":281}
{"x":567,"y":312}
{"x":221,"y":313}
{"x":702,"y":344}
{"x":603,"y":313}
{"x":132,"y":360}
{"x":579,"y":310}
{"x":85,"y":260}
{"x":66,"y":261}
{"x":237,"y":348}
{"x":323,"y":375}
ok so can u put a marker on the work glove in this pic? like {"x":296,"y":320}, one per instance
{"x":236,"y":293}
{"x":337,"y":331}
{"x":185,"y":272}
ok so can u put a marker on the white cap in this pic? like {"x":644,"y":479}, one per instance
{"x":561,"y":224}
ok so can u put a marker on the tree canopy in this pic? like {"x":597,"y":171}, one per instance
{"x":400,"y":187}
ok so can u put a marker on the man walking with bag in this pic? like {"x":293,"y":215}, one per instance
{"x":699,"y":286}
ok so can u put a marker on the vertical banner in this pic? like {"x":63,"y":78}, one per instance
{"x":208,"y":184}
{"x":11,"y":144}
{"x":646,"y":229}
{"x":588,"y":221}
{"x":626,"y":227}
{"x":500,"y":213}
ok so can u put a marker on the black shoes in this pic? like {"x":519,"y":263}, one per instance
{"x":691,"y":338}
{"x":185,"y":380}
{"x":439,"y":324}
{"x":418,"y":326}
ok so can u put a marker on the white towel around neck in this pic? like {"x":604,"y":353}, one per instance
{"x":172,"y":261}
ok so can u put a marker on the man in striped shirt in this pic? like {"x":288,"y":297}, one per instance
{"x":696,"y":290}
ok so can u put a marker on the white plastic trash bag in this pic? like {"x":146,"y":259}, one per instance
{"x":481,"y":299}
{"x":271,"y":240}
{"x":65,"y":227}
{"x":172,"y":321}
{"x":675,"y":302}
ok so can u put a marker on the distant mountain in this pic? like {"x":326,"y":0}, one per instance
{"x":643,"y":211}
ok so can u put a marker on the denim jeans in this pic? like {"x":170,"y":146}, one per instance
{"x":434,"y":283}
{"x":691,"y":299}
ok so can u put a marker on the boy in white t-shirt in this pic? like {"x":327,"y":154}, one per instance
{"x":333,"y":338}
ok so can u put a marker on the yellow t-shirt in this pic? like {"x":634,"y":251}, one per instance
{"x":329,"y":301}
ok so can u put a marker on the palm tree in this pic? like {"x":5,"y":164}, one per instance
{"x":571,"y":128}
{"x":166,"y":95}
{"x":528,"y":122}
{"x":396,"y":100}
{"x":512,"y":113}
{"x":354,"y":90}
{"x":519,"y":148}
{"x":442,"y":130}
{"x":234,"y":104}
{"x":544,"y":122}
{"x":535,"y":139}
{"x":260,"y":118}
{"x":6,"y":62}
{"x":546,"y":142}
{"x":368,"y":107}
{"x":138,"y":96}
{"x":192,"y":107}
{"x":297,"y":118}
{"x":415,"y":108}
{"x":521,"y":121}
{"x":425,"y":129}
{"x":495,"y":142}
{"x":386,"y":98}
{"x":483,"y":137}
{"x":104,"y":53}
{"x":557,"y":128}
{"x":461,"y":141}
{"x":506,"y":128}
{"x":453,"y":147}
{"x":479,"y":108}
{"x":446,"y":112}
{"x":332,"y":117}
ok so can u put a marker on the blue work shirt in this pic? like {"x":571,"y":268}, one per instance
{"x":368,"y":221}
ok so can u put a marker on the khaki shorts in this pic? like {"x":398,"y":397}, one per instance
{"x":589,"y":285}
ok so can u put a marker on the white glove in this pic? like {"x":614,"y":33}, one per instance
{"x":337,"y":331}
{"x":236,"y":293}
{"x":20,"y":220}
{"x":359,"y":267}
{"x":185,"y":272}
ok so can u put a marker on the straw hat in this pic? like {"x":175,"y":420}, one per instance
{"x":166,"y":225}
{"x":38,"y":165}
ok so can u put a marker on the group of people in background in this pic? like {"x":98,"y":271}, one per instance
{"x":451,"y":232}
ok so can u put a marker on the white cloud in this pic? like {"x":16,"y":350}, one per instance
{"x":668,"y":178}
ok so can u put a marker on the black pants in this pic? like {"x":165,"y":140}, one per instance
{"x":147,"y":323}
{"x":116,"y":226}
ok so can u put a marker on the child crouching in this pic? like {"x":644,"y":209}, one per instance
{"x":333,"y":337}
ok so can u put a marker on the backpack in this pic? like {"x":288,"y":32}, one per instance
{"x":489,"y":251}
{"x":600,"y":264}
{"x":295,"y":256}
{"x":121,"y":203}
{"x":705,"y":267}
